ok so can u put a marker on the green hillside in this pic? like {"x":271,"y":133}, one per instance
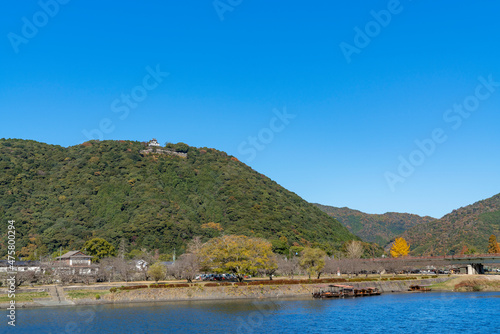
{"x":469,"y":226}
{"x":61,"y":197}
{"x":381,"y":229}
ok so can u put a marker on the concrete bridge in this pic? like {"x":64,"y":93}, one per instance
{"x":473,"y":263}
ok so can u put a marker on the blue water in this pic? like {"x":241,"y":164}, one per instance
{"x":473,"y":312}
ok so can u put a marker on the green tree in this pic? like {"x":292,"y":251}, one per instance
{"x":313,"y":261}
{"x":157,"y":271}
{"x":181,"y":147}
{"x":98,"y":248}
{"x":59,"y":252}
{"x":236,"y":254}
{"x":295,"y":250}
{"x":280,"y":246}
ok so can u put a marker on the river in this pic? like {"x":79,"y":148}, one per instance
{"x":434,"y":312}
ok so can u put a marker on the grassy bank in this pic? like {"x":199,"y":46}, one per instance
{"x":470,"y":283}
{"x":24,"y":296}
{"x":227,"y":290}
{"x":87,"y":294}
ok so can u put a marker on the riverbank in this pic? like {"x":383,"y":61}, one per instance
{"x":101,"y":294}
{"x":469,"y":283}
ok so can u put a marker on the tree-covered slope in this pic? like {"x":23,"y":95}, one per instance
{"x":381,"y":229}
{"x":469,"y":226}
{"x":61,"y":197}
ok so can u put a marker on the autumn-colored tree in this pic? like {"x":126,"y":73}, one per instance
{"x":493,"y":245}
{"x":400,"y":248}
{"x":212,"y":225}
{"x":313,"y":261}
{"x":465,"y":250}
{"x":236,"y":254}
{"x":34,"y":250}
{"x":98,"y":248}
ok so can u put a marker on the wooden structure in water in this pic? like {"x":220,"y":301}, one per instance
{"x":343,"y":291}
{"x":419,"y":288}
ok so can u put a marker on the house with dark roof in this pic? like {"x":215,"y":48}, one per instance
{"x":75,"y":259}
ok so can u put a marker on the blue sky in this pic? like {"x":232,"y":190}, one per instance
{"x":326,"y":99}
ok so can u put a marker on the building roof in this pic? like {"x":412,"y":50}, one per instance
{"x":73,"y":254}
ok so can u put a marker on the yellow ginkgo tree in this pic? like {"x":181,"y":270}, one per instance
{"x":237,"y":254}
{"x":400,"y":248}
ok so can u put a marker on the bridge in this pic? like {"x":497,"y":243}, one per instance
{"x":473,"y":263}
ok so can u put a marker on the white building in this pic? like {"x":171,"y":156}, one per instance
{"x":153,"y":142}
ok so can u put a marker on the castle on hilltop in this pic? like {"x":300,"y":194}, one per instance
{"x":153,"y":147}
{"x":154,"y":142}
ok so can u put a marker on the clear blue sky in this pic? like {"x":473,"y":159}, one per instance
{"x":84,"y":67}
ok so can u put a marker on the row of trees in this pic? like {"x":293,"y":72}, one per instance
{"x":242,"y":256}
{"x":230,"y":254}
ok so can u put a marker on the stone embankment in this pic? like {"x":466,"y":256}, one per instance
{"x":202,"y":292}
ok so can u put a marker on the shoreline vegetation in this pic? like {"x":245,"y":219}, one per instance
{"x":466,"y":283}
{"x":259,"y":289}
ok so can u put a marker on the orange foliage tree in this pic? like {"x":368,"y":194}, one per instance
{"x":493,"y":247}
{"x":400,"y":248}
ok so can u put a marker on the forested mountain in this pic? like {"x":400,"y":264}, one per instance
{"x":381,"y":229}
{"x":469,"y":226}
{"x":61,"y":197}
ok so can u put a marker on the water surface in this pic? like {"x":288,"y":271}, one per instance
{"x":433,"y":312}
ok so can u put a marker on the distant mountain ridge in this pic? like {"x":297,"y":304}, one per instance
{"x":379,"y":228}
{"x":468,"y":226}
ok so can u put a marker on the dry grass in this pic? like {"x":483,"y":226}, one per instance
{"x":470,"y":283}
{"x":24,"y":296}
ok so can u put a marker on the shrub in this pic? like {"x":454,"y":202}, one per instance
{"x":133,"y":287}
{"x":400,"y":278}
{"x":469,"y":285}
{"x":241,"y":284}
{"x":179,"y":285}
{"x":97,"y":296}
{"x":211,"y":284}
